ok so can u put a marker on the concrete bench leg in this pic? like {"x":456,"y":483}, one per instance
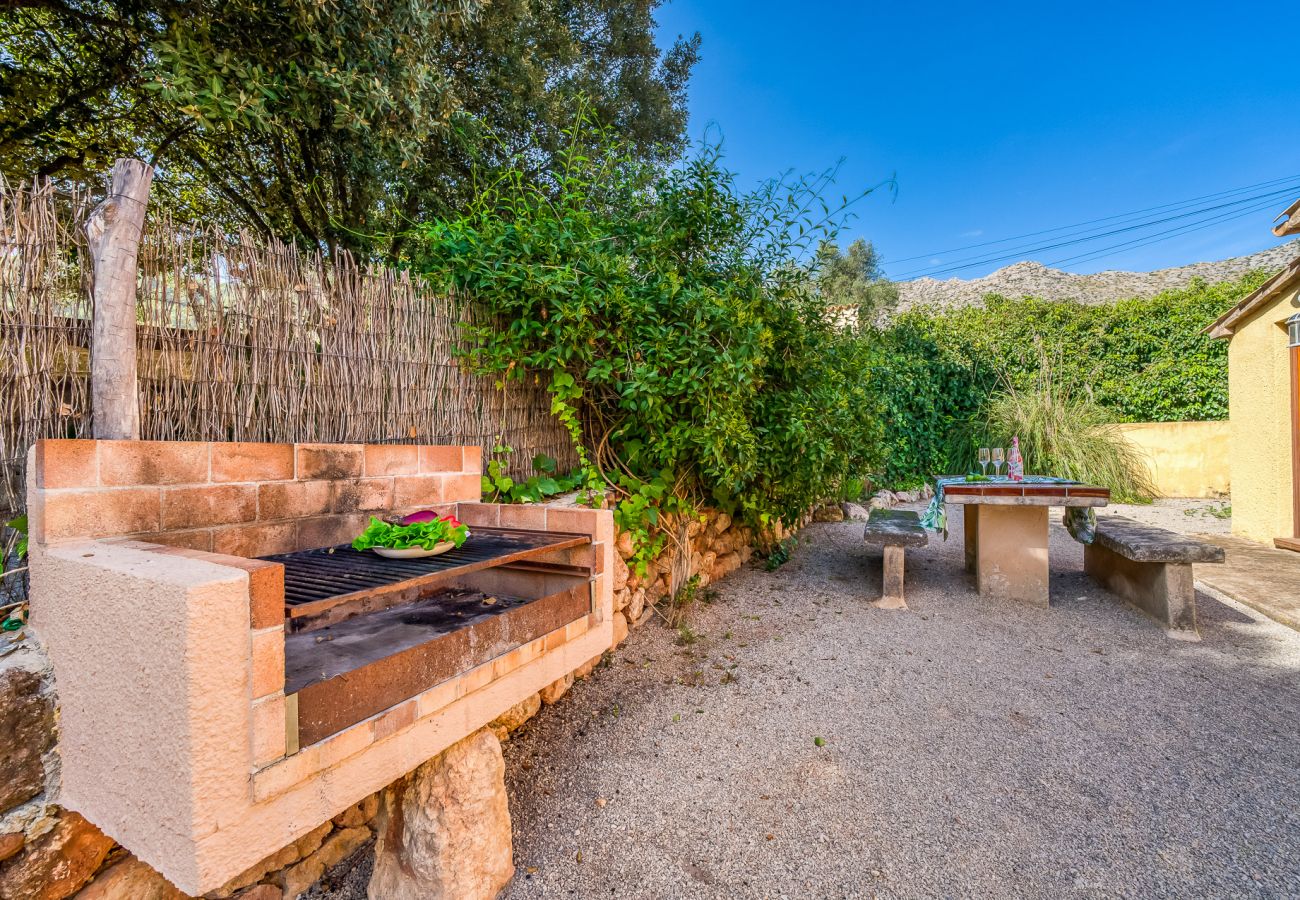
{"x":1162,"y":590}
{"x":891,"y":597}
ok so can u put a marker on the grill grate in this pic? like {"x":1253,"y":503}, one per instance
{"x":311,"y":576}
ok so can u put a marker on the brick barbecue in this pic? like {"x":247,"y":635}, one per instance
{"x":232,"y":673}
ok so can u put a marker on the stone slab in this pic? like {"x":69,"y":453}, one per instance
{"x":1262,"y":577}
{"x":895,"y":528}
{"x":1147,"y":543}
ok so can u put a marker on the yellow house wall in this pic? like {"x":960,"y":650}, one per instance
{"x":1184,"y":459}
{"x":1259,"y":405}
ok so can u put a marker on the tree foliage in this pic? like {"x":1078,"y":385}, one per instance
{"x":680,"y":338}
{"x":855,"y":280}
{"x":328,"y":122}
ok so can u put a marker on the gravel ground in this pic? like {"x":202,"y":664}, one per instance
{"x":1187,"y":516}
{"x":969,"y":746}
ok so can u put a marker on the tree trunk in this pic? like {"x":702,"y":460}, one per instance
{"x":114,"y":230}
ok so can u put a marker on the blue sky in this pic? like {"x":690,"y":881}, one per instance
{"x":1000,"y":119}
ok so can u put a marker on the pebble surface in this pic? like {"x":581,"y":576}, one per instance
{"x":809,"y":745}
{"x":969,"y":746}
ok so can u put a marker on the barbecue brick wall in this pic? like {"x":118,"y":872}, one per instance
{"x":49,"y":852}
{"x":238,"y":499}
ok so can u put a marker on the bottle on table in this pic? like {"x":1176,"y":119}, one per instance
{"x":1015,"y":463}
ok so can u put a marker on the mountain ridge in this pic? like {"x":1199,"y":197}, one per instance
{"x":1029,"y":278}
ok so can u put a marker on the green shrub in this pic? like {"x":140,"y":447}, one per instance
{"x":1138,"y":360}
{"x":684,"y":347}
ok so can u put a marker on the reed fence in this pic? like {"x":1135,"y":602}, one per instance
{"x":243,"y":340}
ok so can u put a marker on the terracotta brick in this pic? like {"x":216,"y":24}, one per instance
{"x":391,"y":459}
{"x":286,"y":773}
{"x":194,"y":539}
{"x":418,"y":490}
{"x":473,"y":680}
{"x":265,"y":593}
{"x":440,"y":459}
{"x":349,"y":742}
{"x":361,"y":494}
{"x":604,"y":526}
{"x":268,"y":730}
{"x":486,"y":514}
{"x":578,"y":521}
{"x":464,"y":487}
{"x":506,"y":663}
{"x":256,"y":540}
{"x":330,"y":460}
{"x":576,"y":629}
{"x":67,"y":464}
{"x":268,"y":662}
{"x":393,"y":721}
{"x":265,"y":583}
{"x":515,"y":515}
{"x":197,"y":507}
{"x":597,"y":557}
{"x":330,"y":531}
{"x":128,"y":463}
{"x":436,"y":698}
{"x":246,"y":461}
{"x":554,"y":640}
{"x":293,"y":499}
{"x":100,"y":513}
{"x":472,"y":460}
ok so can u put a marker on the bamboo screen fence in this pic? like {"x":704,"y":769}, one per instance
{"x":244,"y":341}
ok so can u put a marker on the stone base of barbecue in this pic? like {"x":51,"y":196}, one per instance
{"x":444,"y":830}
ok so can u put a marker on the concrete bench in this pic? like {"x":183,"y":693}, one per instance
{"x":1150,"y":567}
{"x":894,"y":530}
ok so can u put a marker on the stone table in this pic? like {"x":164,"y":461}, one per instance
{"x":1006,"y":532}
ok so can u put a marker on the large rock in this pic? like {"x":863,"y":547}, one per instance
{"x":444,"y":830}
{"x":556,"y":689}
{"x":620,"y":629}
{"x":130,"y":879}
{"x":831,"y":512}
{"x":333,"y":850}
{"x":620,"y":573}
{"x":515,"y":716}
{"x":635,"y":605}
{"x":26,"y":733}
{"x":57,"y":863}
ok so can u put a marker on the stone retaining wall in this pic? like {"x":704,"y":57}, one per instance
{"x":50,"y":853}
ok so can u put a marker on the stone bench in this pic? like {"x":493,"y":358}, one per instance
{"x":894,"y":530}
{"x":1150,"y":567}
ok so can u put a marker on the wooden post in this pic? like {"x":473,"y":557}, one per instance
{"x":114,"y":230}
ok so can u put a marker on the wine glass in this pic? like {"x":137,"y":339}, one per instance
{"x":999,"y":457}
{"x":984,"y":461}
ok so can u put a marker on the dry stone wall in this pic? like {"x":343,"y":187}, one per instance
{"x":1034,"y":279}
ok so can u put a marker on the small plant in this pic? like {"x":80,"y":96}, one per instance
{"x":19,"y":526}
{"x":781,"y":554}
{"x":498,"y":487}
{"x":686,"y":635}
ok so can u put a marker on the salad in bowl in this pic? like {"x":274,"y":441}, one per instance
{"x":421,"y":534}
